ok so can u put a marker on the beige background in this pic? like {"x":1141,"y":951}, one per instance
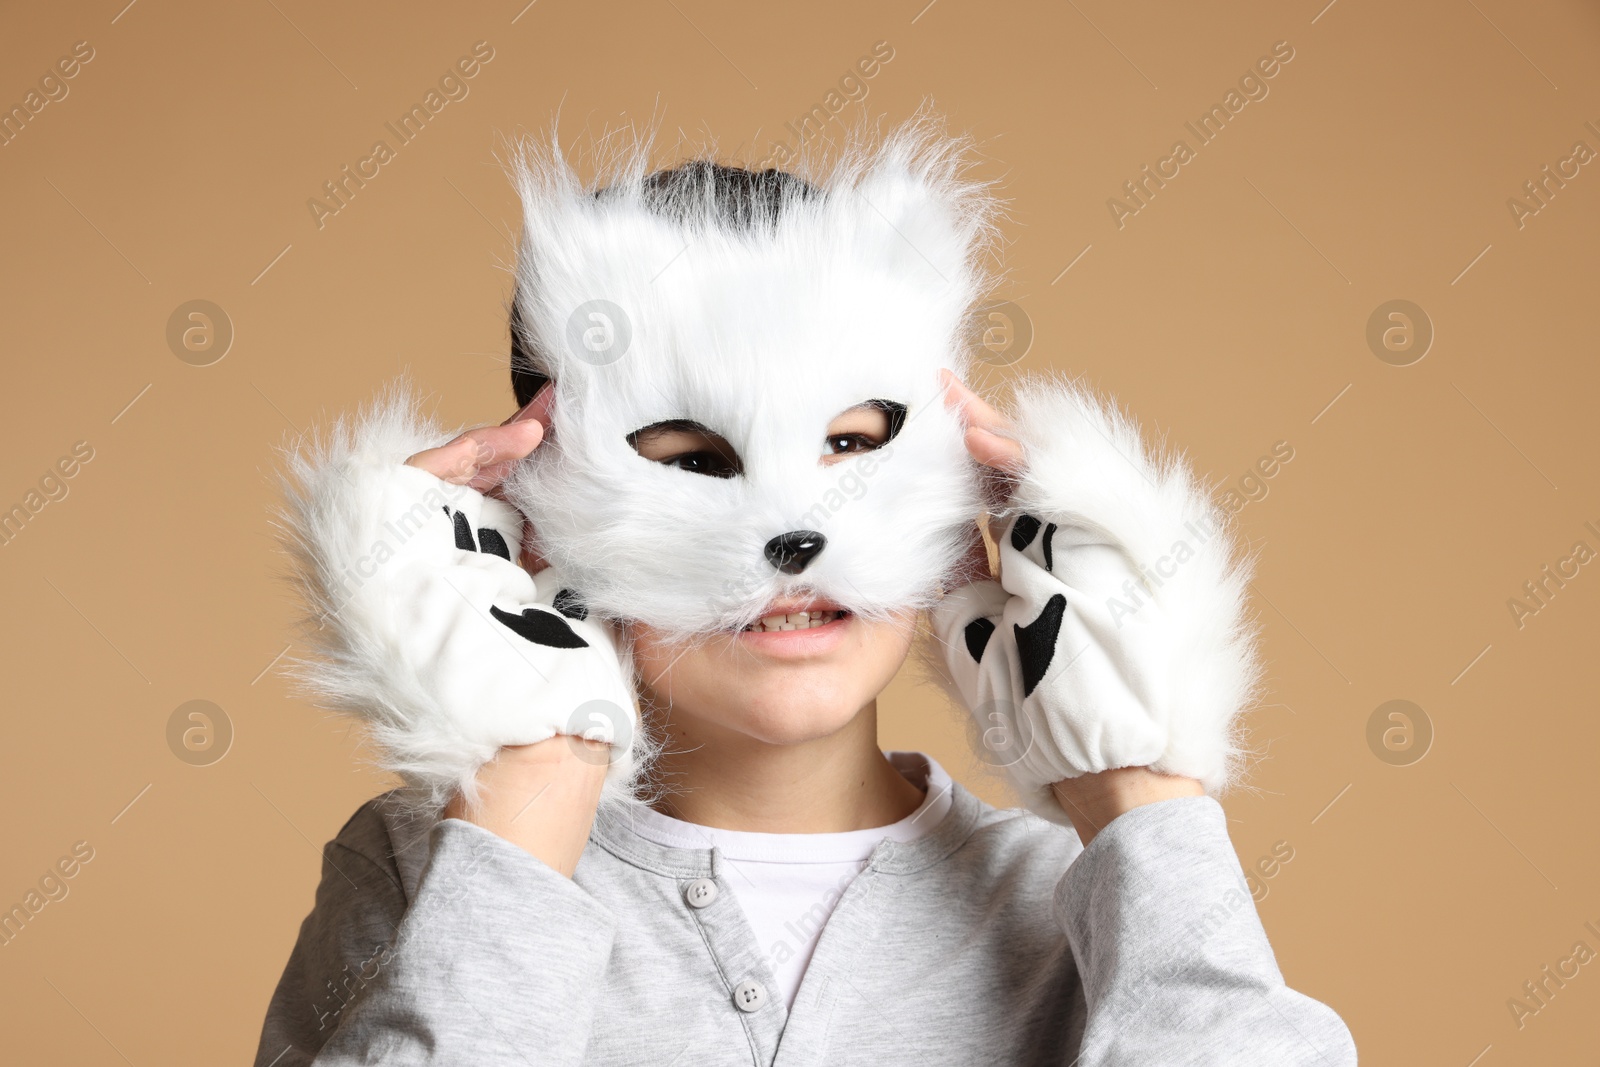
{"x":1230,"y":312}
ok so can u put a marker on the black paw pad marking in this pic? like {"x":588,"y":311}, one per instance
{"x":1023,"y":531}
{"x":571,"y":605}
{"x":491,"y":541}
{"x":1036,"y":642}
{"x":978,"y":633}
{"x":488,"y":540}
{"x":541,"y":627}
{"x":463,"y":532}
{"x":534,"y":624}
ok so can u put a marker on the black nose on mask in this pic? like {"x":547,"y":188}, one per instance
{"x":792,"y":552}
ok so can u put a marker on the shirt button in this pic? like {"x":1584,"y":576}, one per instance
{"x":700,"y":892}
{"x":749,"y":996}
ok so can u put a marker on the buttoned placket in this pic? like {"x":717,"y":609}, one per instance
{"x":753,"y":992}
{"x":706,"y":883}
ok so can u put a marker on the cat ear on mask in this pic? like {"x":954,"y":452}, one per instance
{"x":899,"y":206}
{"x":912,"y":192}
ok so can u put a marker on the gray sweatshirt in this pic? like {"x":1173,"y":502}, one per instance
{"x":993,"y":939}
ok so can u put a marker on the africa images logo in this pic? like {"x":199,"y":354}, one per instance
{"x":1138,"y":192}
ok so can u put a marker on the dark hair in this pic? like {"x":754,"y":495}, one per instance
{"x":699,"y":191}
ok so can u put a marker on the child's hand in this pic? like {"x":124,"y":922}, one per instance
{"x":482,"y":457}
{"x":541,"y":797}
{"x":990,"y":436}
{"x":424,"y":624}
{"x":1117,"y":637}
{"x":989,"y":442}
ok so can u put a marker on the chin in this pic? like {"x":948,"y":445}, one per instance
{"x":776,"y":700}
{"x":789,"y":710}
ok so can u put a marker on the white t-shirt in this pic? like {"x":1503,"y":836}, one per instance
{"x":788,"y":884}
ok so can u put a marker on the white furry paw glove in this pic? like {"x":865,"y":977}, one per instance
{"x":424,"y":625}
{"x":1117,"y":634}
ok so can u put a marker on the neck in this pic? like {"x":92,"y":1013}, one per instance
{"x":732,"y":781}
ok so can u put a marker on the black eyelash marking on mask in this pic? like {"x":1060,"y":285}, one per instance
{"x":896,"y":412}
{"x":671,"y":426}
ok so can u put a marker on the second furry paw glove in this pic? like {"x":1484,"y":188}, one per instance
{"x":1117,"y":634}
{"x":425,"y":625}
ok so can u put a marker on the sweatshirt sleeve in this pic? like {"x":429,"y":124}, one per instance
{"x":1175,"y":964}
{"x":498,"y":959}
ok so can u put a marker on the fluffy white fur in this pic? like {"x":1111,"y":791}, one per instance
{"x":397,"y":617}
{"x":1086,"y":461}
{"x":765,"y":337}
{"x":1158,"y":653}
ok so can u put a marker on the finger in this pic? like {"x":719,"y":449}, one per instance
{"x":455,"y":462}
{"x":537,"y":412}
{"x":500,"y":448}
{"x":987,"y":434}
{"x":540,"y":409}
{"x":976,"y":410}
{"x":992,"y":450}
{"x":480,"y":457}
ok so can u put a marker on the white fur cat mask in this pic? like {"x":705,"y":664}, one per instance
{"x":760,"y":307}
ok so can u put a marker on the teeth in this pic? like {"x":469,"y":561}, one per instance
{"x":799,"y":620}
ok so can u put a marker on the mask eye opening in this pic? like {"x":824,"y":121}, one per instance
{"x":695,"y":441}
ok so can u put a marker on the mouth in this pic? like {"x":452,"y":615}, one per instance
{"x":797,"y":629}
{"x":806,"y":619}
